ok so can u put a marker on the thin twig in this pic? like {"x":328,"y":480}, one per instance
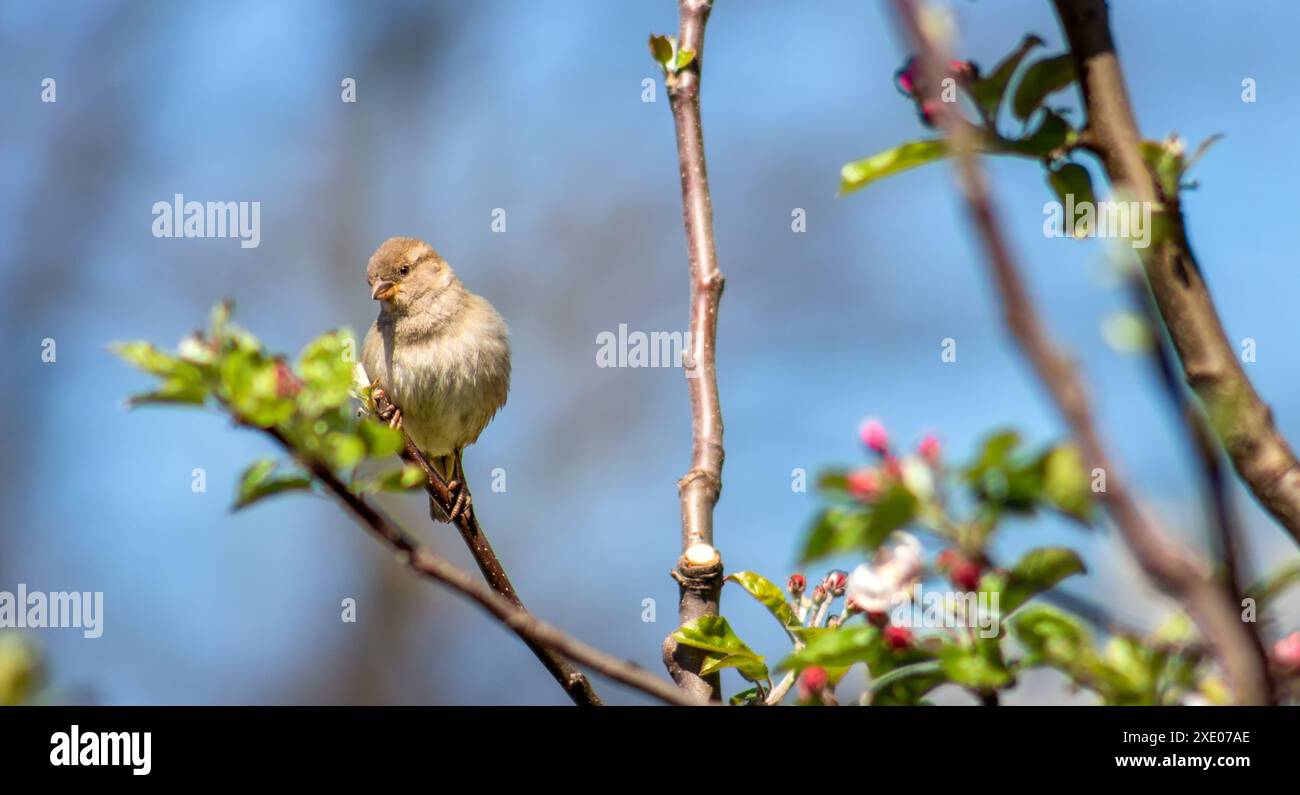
{"x":1241,"y":420}
{"x":1172,"y":568}
{"x":576,"y":685}
{"x":425,"y":563}
{"x":700,"y":487}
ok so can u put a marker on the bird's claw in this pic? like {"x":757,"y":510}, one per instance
{"x":461,"y":501}
{"x":385,"y":410}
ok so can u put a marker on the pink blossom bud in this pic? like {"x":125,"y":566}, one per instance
{"x":961,"y":570}
{"x":966,"y":575}
{"x":835,"y":583}
{"x":929,"y":449}
{"x":963,"y":70}
{"x":905,"y":78}
{"x":812,"y":682}
{"x":874,"y":436}
{"x":1286,"y":653}
{"x":929,"y":110}
{"x":819,"y":594}
{"x":863,"y":484}
{"x":878,"y":618}
{"x":286,"y":383}
{"x":796,"y":585}
{"x":897,"y":637}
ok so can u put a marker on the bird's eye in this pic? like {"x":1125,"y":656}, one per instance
{"x":404,"y":270}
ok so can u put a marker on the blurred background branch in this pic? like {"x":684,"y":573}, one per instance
{"x":1242,"y":421}
{"x":1175,"y":570}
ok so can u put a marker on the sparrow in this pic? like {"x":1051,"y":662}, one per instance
{"x":438,"y":354}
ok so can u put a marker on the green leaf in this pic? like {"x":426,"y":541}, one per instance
{"x":1066,"y":485}
{"x":380,"y":440}
{"x":1037,"y":571}
{"x":1071,"y":180}
{"x":994,"y":453}
{"x":745,"y":697}
{"x":145,"y":356}
{"x":662,"y":49}
{"x":196,"y":350}
{"x":989,"y":90}
{"x":839,"y":647}
{"x":1130,"y":669}
{"x":250,"y":383}
{"x":261,"y":480}
{"x":892,"y":511}
{"x":326,"y":366}
{"x":1042,"y":78}
{"x":748,"y":664}
{"x":1166,"y":159}
{"x":1000,"y":479}
{"x":1053,"y":133}
{"x":861,"y":528}
{"x":907,"y":685}
{"x":684,"y":58}
{"x":767,"y":593}
{"x":1051,"y":636}
{"x":399,"y":479}
{"x":172,"y":391}
{"x":820,"y":539}
{"x":979,"y":667}
{"x":344,"y":450}
{"x":712,"y":634}
{"x":860,"y":173}
{"x":833,"y":480}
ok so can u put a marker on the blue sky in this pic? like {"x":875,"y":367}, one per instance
{"x":536,"y":108}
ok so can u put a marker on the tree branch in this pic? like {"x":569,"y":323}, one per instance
{"x":571,"y":679}
{"x":1172,"y":568}
{"x":1241,"y":420}
{"x":427,"y":564}
{"x":1208,"y":457}
{"x":700,"y":580}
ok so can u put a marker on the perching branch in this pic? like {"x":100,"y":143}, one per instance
{"x":1172,"y":568}
{"x":532,"y":631}
{"x":571,"y":679}
{"x":1240,"y":419}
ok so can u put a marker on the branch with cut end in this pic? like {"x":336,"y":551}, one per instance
{"x":1242,"y":422}
{"x":700,"y":580}
{"x":425,"y":563}
{"x":571,"y":679}
{"x":1172,"y":568}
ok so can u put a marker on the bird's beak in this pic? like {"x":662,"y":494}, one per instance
{"x":383,"y":290}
